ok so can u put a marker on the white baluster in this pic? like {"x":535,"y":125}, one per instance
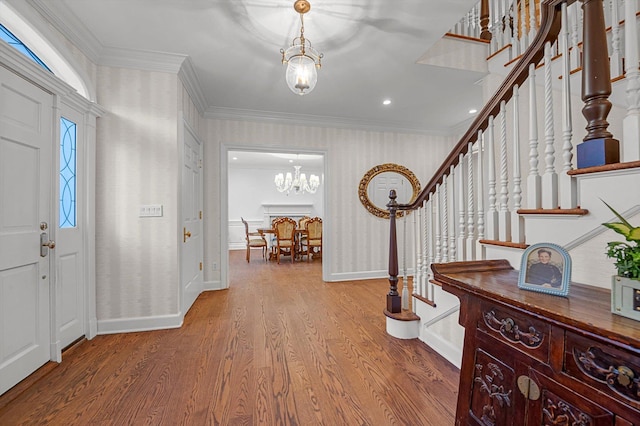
{"x":615,"y":58}
{"x":504,"y":217}
{"x":549,"y":178}
{"x":506,"y":32}
{"x":494,"y":27}
{"x":524,"y":37}
{"x":405,"y":281}
{"x":533,"y":24}
{"x":534,"y":192}
{"x":479,"y":247}
{"x":427,"y":249}
{"x":631,"y":122}
{"x":462,"y":223}
{"x":568,"y":190}
{"x":517,"y":221}
{"x":444,"y":224}
{"x":471,"y":242}
{"x":515,"y":17}
{"x":452,"y":233}
{"x":575,"y":13}
{"x":438,"y":248}
{"x":492,"y":216}
{"x":417,"y":241}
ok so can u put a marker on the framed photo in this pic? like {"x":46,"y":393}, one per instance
{"x":545,"y":268}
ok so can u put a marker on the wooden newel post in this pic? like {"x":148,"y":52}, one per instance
{"x":598,"y":147}
{"x":485,"y":34}
{"x":394,"y":300}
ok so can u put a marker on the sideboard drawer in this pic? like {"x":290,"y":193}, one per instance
{"x":612,"y":370}
{"x":520,"y":331}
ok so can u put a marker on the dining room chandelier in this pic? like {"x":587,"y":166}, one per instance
{"x":303,"y":61}
{"x":297,"y":182}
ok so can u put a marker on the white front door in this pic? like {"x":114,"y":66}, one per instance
{"x":192,"y":242}
{"x":25,"y":209}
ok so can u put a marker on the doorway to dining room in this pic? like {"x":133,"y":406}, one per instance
{"x":254,"y":196}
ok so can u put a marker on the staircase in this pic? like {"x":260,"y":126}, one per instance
{"x":525,"y":170}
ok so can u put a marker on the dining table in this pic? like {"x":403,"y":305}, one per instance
{"x":299,"y":233}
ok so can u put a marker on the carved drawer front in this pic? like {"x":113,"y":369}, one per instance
{"x":517,"y":330}
{"x":614,"y":371}
{"x":554,"y":404}
{"x":492,"y":391}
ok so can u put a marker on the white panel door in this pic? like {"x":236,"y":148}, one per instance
{"x":192,"y":242}
{"x":25,"y":191}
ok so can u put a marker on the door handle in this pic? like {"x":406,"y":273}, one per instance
{"x":185,"y":234}
{"x":46,"y":244}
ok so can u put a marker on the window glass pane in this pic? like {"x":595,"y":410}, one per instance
{"x":8,"y":36}
{"x":67,"y":173}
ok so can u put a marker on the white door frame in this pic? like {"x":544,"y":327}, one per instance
{"x":224,"y":202}
{"x":11,"y":59}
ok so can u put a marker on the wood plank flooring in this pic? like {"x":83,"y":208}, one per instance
{"x":280,"y":347}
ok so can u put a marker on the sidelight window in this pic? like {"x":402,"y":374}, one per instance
{"x":67,"y":173}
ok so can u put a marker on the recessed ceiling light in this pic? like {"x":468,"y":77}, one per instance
{"x":473,"y":111}
{"x":291,"y":161}
{"x":386,"y":102}
{"x":234,"y":158}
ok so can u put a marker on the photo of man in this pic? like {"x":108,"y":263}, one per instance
{"x":543,"y":272}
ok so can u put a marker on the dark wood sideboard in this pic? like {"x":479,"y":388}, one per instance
{"x":535,"y":359}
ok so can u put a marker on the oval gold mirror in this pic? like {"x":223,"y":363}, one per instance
{"x":374,"y":188}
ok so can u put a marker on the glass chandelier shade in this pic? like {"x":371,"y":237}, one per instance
{"x":302,"y":60}
{"x":297,"y":182}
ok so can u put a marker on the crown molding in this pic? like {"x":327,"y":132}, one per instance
{"x":71,"y":27}
{"x":141,"y":59}
{"x":222,"y":113}
{"x":189,"y":78}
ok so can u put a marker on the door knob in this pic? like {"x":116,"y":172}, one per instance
{"x":45,"y":244}
{"x":186,"y":234}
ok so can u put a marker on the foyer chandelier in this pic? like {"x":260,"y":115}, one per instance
{"x":297,"y":182}
{"x":302,"y":60}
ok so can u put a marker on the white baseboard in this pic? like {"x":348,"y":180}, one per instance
{"x":354,"y":276}
{"x":128,"y":325}
{"x":212,"y":285}
{"x":450,"y":352}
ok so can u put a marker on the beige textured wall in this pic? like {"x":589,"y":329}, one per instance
{"x":137,"y":258}
{"x":358,"y":240}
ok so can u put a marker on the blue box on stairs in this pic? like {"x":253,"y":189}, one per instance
{"x":598,"y":152}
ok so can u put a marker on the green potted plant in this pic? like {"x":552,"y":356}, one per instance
{"x":625,"y":290}
{"x":626,"y":254}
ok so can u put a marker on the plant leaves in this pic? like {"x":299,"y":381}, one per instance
{"x":622,"y":219}
{"x":620,"y":228}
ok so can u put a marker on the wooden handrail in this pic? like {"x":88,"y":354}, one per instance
{"x":549,"y":29}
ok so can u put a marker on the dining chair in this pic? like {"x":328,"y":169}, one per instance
{"x":285,"y":228}
{"x":254,"y":240}
{"x":313,"y":238}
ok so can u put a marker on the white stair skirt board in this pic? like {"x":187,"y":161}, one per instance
{"x":403,"y":329}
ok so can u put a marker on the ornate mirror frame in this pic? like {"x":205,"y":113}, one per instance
{"x":368,"y":177}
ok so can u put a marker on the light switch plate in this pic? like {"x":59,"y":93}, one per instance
{"x":151,"y":210}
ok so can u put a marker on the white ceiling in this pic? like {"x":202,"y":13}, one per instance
{"x":370,"y":47}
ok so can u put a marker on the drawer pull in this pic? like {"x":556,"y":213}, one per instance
{"x":599,"y":366}
{"x":528,"y":388}
{"x":625,"y":376}
{"x":508,"y":328}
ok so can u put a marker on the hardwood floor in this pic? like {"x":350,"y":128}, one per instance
{"x":280,"y":347}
